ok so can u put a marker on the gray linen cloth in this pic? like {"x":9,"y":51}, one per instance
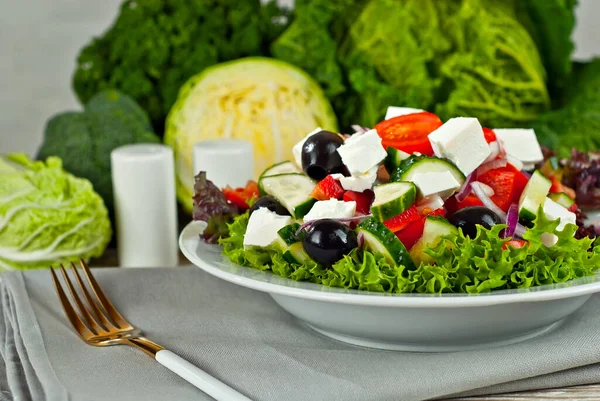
{"x":243,"y":338}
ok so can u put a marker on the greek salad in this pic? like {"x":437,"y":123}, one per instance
{"x":413,"y":204}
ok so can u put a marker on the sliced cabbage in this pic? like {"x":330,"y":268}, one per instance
{"x":266,"y":101}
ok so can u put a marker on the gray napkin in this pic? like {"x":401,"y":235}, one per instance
{"x":243,"y":338}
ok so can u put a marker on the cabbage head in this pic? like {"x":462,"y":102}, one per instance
{"x":47,"y":216}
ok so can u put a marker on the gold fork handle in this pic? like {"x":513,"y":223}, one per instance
{"x":148,"y":346}
{"x":192,"y":374}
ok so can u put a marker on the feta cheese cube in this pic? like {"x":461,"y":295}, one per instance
{"x":361,"y":152}
{"x":440,"y":183}
{"x":331,"y":209}
{"x":521,"y":143}
{"x":360,"y":182}
{"x":297,"y":149}
{"x":555,"y":211}
{"x":394,"y":111}
{"x":263,"y":226}
{"x":461,"y":141}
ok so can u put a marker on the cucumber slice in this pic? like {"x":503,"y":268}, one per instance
{"x":297,"y":254}
{"x":394,"y":158}
{"x":292,"y":191}
{"x":533,"y":196}
{"x":379,"y":239}
{"x":562,"y":199}
{"x":287,"y":236}
{"x":392,"y":199}
{"x":276,"y":169}
{"x":424,"y":164}
{"x":435,"y":228}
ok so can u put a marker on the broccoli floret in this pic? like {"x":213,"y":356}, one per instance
{"x":84,"y":140}
{"x":154,"y":46}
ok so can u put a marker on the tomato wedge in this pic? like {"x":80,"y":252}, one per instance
{"x":328,"y":188}
{"x":363,"y":200}
{"x":558,"y":186}
{"x":515,"y":243}
{"x":409,"y":132}
{"x":241,"y":196}
{"x":489,"y":135}
{"x":401,"y":221}
{"x":414,"y":231}
{"x":507,"y":182}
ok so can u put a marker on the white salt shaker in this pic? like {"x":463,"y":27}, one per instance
{"x":226,"y":161}
{"x":143,"y":178}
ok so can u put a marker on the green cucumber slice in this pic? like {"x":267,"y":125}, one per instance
{"x":394,"y":158}
{"x":424,"y":164}
{"x":379,"y":239}
{"x":286,"y":167}
{"x":292,"y":191}
{"x":392,"y":199}
{"x":533,"y":196}
{"x":287,"y":236}
{"x":435,"y":228}
{"x":297,"y":254}
{"x":562,"y":199}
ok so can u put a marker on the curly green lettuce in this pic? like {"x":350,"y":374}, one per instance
{"x":462,"y":264}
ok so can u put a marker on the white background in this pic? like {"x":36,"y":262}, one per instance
{"x":40,"y":40}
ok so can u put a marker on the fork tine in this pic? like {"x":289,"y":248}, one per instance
{"x":81,"y":328}
{"x":92,"y":324}
{"x":116,"y":317}
{"x":106,"y":324}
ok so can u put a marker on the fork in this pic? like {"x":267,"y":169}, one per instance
{"x":100,"y":324}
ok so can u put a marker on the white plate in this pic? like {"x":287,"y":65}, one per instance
{"x":407,"y":322}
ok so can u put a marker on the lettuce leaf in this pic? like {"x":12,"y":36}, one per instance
{"x":462,"y":264}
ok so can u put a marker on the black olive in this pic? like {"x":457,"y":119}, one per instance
{"x":327,"y":241}
{"x":320,"y":157}
{"x":270,"y":203}
{"x":469,"y":217}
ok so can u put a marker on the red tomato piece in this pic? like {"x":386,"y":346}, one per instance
{"x":328,"y":188}
{"x":558,"y":186}
{"x":414,"y":231}
{"x":409,"y":132}
{"x":515,"y":243}
{"x":241,"y":196}
{"x":573,"y":208}
{"x":400,"y":222}
{"x":490,"y":136}
{"x":507,"y":182}
{"x":363,"y":200}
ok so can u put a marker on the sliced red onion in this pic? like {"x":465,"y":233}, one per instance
{"x":497,"y":163}
{"x":516,"y":163}
{"x":520,"y":230}
{"x":487,"y":202}
{"x":432,"y":202}
{"x":489,"y":191}
{"x":512,"y":219}
{"x":361,"y":240}
{"x":465,"y":190}
{"x":495,"y":147}
{"x":501,"y":149}
{"x":359,"y":128}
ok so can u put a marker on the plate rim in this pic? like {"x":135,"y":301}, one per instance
{"x":194,"y":228}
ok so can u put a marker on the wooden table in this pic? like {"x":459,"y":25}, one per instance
{"x":578,"y":393}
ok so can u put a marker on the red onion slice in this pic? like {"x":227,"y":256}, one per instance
{"x":512,"y":219}
{"x":495,"y":147}
{"x":361,"y":240}
{"x":487,"y":202}
{"x":359,"y":128}
{"x":497,"y":163}
{"x":465,"y":190}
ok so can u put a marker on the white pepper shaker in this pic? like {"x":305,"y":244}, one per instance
{"x":226,"y":161}
{"x":143,"y":178}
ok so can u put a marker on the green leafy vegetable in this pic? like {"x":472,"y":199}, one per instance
{"x":84,"y":140}
{"x":47,"y":216}
{"x":577,"y":124}
{"x":154,"y":46}
{"x":456,"y":57}
{"x":462,"y":264}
